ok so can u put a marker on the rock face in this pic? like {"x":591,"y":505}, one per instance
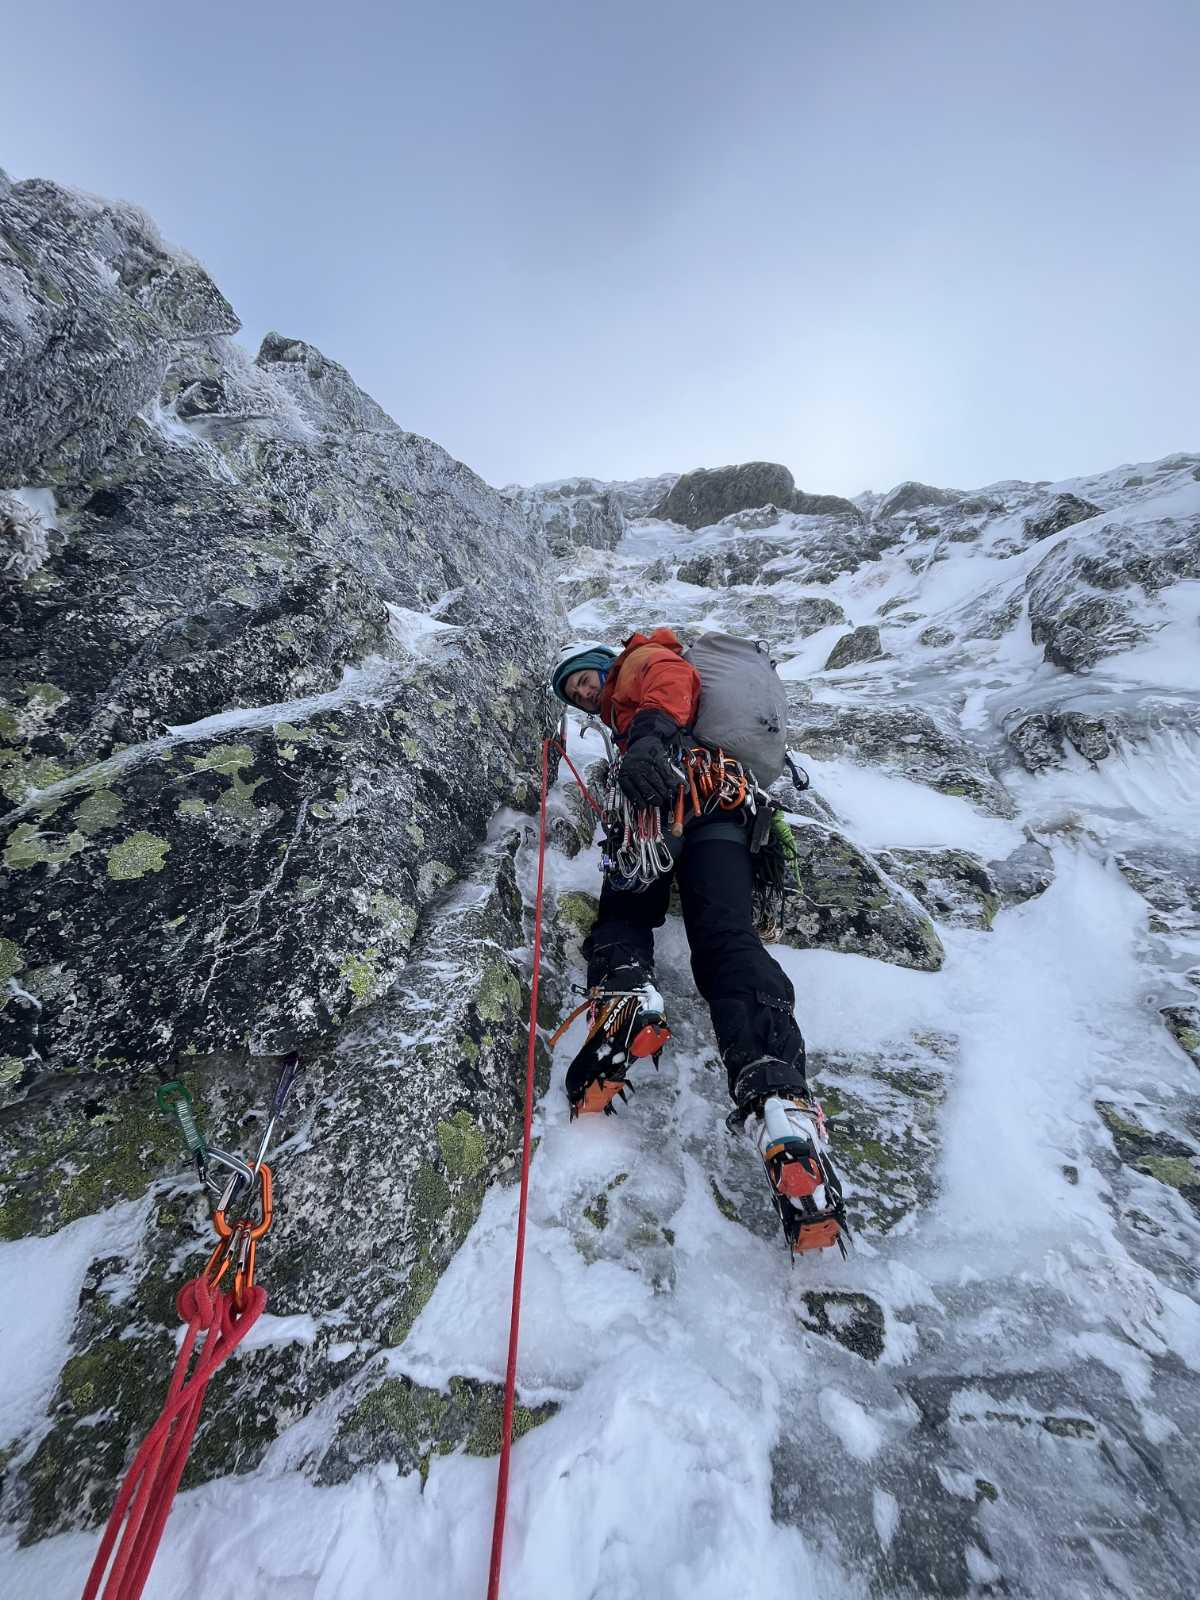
{"x":705,"y":496}
{"x":574,"y":514}
{"x":181,"y":875}
{"x":846,"y":903}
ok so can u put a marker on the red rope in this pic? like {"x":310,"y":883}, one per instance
{"x":514,"y":1328}
{"x":145,"y":1498}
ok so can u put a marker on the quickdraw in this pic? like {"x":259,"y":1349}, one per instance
{"x":638,"y":849}
{"x":219,"y":1307}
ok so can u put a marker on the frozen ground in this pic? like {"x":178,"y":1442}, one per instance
{"x":997,"y":1394}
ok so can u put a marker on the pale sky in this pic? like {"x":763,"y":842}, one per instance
{"x":871,"y":239}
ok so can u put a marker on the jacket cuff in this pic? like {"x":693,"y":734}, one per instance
{"x":653,"y":724}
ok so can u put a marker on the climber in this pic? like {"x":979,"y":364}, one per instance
{"x":649,"y":695}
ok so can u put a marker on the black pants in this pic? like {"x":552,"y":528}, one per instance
{"x":749,"y":995}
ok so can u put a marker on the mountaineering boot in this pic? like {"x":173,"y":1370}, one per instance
{"x":788,"y":1129}
{"x":626,"y":1022}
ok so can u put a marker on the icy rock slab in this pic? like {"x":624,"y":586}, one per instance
{"x":393,"y":1142}
{"x":954,"y":886}
{"x":845,"y":902}
{"x":574,"y":514}
{"x":904,"y":739}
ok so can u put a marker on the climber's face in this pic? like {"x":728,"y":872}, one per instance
{"x":582,"y":689}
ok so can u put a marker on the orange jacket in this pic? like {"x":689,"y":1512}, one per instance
{"x":650,"y":674}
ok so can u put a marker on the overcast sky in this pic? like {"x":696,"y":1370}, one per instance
{"x":874,"y":241}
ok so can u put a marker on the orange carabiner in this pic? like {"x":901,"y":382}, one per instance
{"x":240,"y":1239}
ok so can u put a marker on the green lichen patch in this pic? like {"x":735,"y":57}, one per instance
{"x":136,"y":856}
{"x":98,"y":811}
{"x":28,"y":847}
{"x":578,"y":911}
{"x":12,"y":961}
{"x":362,"y":975}
{"x":397,"y":916}
{"x":288,"y":733}
{"x":463,"y":1146}
{"x":1176,"y":1171}
{"x":223,"y":758}
{"x":724,"y":1204}
{"x":499,"y":995}
{"x":411,"y":1424}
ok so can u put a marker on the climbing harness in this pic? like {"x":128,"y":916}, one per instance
{"x":218,"y":1306}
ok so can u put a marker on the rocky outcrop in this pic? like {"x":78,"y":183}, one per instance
{"x":180,"y":875}
{"x":93,"y":307}
{"x":1063,"y":512}
{"x":1089,"y":597}
{"x":700,"y":498}
{"x":844,"y":902}
{"x":860,"y":645}
{"x":904,"y":739}
{"x":573,"y":514}
{"x":912,"y":496}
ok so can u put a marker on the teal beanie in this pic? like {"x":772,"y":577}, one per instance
{"x":599,"y":657}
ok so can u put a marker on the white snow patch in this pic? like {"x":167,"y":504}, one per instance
{"x":859,"y":1433}
{"x":35,"y":1325}
{"x":884,"y":809}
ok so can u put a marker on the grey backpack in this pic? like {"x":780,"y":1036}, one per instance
{"x":743,"y":703}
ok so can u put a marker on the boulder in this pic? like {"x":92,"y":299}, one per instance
{"x":845,"y":902}
{"x":861,"y":645}
{"x":699,"y":499}
{"x":954,"y":886}
{"x":1023,"y":874}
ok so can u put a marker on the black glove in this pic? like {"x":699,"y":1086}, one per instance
{"x":646,"y":776}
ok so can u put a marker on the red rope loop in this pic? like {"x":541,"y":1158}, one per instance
{"x":144,"y":1501}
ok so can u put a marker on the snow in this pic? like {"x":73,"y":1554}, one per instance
{"x":885,"y":809}
{"x":671,"y":1337}
{"x":35,"y":1323}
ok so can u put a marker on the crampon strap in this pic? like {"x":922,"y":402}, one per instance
{"x":144,"y":1503}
